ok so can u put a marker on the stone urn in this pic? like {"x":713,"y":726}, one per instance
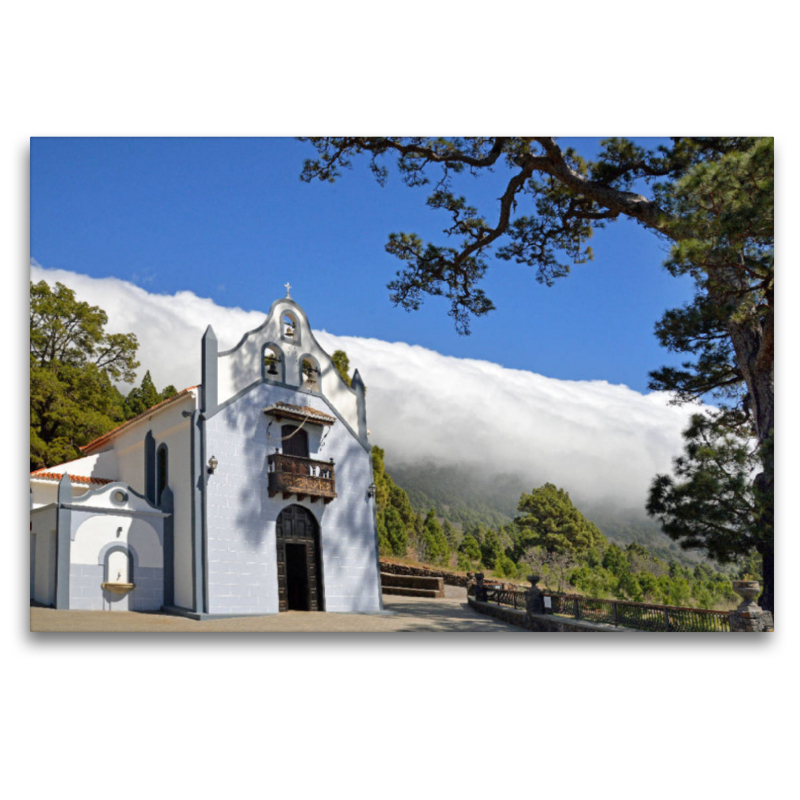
{"x":747,"y":590}
{"x":535,"y":604}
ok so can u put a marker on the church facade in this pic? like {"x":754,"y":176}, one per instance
{"x":250,"y":493}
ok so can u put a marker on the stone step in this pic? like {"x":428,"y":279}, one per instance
{"x":412,"y":581}
{"x":407,"y":591}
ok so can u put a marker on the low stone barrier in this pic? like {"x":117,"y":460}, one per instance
{"x":506,"y":605}
{"x":543,"y":623}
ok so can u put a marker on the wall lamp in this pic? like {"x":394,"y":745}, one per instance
{"x":212,"y":465}
{"x":372,"y":490}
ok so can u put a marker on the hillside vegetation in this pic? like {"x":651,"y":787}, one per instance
{"x":468,"y":500}
{"x":444,"y":525}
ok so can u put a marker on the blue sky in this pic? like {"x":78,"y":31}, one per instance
{"x":229,"y":219}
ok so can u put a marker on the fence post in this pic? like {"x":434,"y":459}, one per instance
{"x":480,"y":589}
{"x":576,"y":605}
{"x":616,"y":613}
{"x":666,"y":619}
{"x":749,"y":617}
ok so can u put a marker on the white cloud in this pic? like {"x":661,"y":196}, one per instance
{"x":602,"y":442}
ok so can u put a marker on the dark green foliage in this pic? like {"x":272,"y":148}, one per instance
{"x":453,"y":535}
{"x":384,"y":546}
{"x":396,"y":536}
{"x":491,"y":549}
{"x":342,"y":364}
{"x":505,"y":568}
{"x":396,"y":518}
{"x":145,"y":396}
{"x":469,"y":554}
{"x":142,"y":397}
{"x":436,"y":548}
{"x":711,"y":503}
{"x":73,"y":362}
{"x":550,"y":520}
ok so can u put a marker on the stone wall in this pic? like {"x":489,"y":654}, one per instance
{"x":450,"y":578}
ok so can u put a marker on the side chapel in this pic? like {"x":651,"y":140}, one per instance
{"x":250,"y":493}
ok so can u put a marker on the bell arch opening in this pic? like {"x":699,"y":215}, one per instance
{"x":273,"y":363}
{"x":290,"y":330}
{"x":310,"y":373}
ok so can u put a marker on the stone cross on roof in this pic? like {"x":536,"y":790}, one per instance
{"x":288,"y":286}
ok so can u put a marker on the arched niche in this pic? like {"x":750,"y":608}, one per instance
{"x":273,"y":363}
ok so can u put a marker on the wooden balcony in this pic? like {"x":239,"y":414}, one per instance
{"x":303,"y":477}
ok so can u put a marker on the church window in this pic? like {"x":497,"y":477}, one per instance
{"x":162,"y":472}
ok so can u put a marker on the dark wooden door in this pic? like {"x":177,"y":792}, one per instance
{"x":298,"y":554}
{"x":295,"y":442}
{"x":297,"y":577}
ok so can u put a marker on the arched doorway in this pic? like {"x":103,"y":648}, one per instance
{"x":299,"y":562}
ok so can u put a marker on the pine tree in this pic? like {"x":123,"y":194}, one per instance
{"x":550,"y":520}
{"x":491,"y":549}
{"x":469,"y":553}
{"x":438,"y":551}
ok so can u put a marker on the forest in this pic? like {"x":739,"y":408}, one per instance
{"x":552,"y":538}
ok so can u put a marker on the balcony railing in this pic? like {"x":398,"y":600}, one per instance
{"x":303,"y":477}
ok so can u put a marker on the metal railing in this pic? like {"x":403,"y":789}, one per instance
{"x":641,"y":616}
{"x":507,"y":597}
{"x":624,"y":613}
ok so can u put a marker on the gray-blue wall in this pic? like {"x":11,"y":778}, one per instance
{"x":241,"y":516}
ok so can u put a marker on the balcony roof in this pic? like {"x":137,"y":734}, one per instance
{"x":299,"y":413}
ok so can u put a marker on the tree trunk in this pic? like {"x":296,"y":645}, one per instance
{"x":758,"y":372}
{"x":767,"y":599}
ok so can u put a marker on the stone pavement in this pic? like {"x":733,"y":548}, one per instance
{"x":409,"y":614}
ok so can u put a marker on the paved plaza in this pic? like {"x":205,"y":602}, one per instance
{"x":406,"y":615}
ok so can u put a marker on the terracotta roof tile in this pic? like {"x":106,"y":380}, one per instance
{"x":57,"y":476}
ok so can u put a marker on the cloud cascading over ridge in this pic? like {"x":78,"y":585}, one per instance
{"x":601,"y":442}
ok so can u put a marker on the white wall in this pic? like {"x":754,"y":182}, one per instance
{"x":46,"y":492}
{"x":112,"y":516}
{"x":169,"y":427}
{"x":242,"y":366}
{"x":98,"y":531}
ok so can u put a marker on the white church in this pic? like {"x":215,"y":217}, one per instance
{"x":250,"y":493}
